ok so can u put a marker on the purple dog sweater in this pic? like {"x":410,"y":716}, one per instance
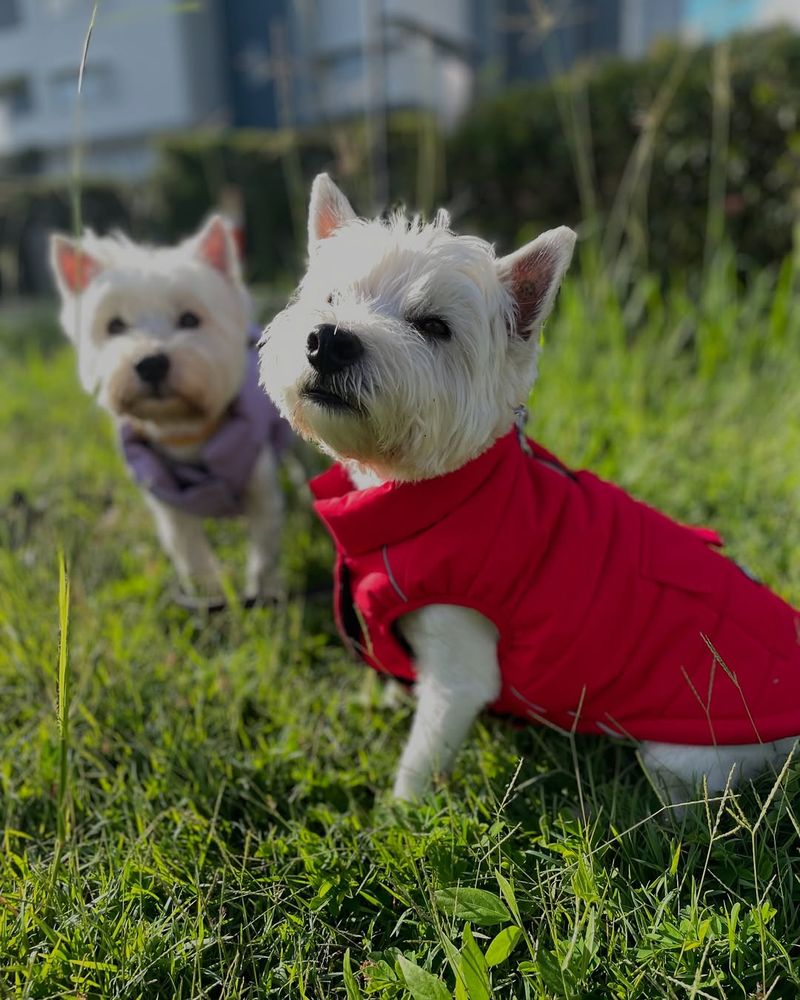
{"x":214,"y":484}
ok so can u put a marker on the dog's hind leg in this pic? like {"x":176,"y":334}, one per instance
{"x":678,"y":771}
{"x":264,"y":514}
{"x":455,"y":655}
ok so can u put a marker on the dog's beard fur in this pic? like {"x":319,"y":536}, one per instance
{"x":149,"y":288}
{"x":410,"y":408}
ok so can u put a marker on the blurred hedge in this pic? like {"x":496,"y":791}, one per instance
{"x":513,"y":160}
{"x":272,"y":171}
{"x":661,"y":142}
{"x":651,"y":140}
{"x":31,"y":209}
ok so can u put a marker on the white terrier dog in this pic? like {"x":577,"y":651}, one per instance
{"x":163,"y":342}
{"x":470,"y":560}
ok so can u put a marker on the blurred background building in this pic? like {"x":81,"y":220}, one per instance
{"x":149,"y":70}
{"x":311,"y":60}
{"x":198,"y":74}
{"x":161,"y":67}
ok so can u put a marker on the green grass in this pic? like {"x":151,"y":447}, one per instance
{"x":203,"y":813}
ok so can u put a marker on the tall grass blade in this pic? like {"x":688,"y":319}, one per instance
{"x":720,"y":140}
{"x":77,"y":143}
{"x":636,"y":177}
{"x":63,"y":701}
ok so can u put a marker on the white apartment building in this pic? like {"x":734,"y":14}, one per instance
{"x":152,"y":67}
{"x":420,"y":54}
{"x":157,"y":66}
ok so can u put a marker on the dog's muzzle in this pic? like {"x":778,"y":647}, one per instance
{"x":324,"y":392}
{"x":330,"y":349}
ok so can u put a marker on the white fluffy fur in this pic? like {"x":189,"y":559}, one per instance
{"x":422,"y":409}
{"x":148,"y":288}
{"x":379,"y":276}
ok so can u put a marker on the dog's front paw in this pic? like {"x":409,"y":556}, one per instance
{"x":250,"y":601}
{"x":263,"y":587}
{"x":264,"y":596}
{"x":409,"y":786}
{"x":204,"y":603}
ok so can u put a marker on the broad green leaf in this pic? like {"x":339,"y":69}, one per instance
{"x":507,"y":891}
{"x":350,"y":984}
{"x":422,"y":985}
{"x":454,"y":961}
{"x":380,"y":975}
{"x":474,"y":968}
{"x":476,"y":905}
{"x":733,"y":920}
{"x":559,"y":981}
{"x":589,"y":946}
{"x":452,"y":953}
{"x":583,"y":883}
{"x":502,"y":945}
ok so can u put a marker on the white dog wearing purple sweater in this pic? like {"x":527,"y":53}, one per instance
{"x":164,"y":342}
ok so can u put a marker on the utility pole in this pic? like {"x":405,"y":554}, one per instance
{"x":281,"y":65}
{"x":375,"y":101}
{"x":277,"y":66}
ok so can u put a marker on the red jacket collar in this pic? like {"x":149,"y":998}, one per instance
{"x":364,"y":520}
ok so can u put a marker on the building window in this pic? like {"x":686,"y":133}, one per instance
{"x":15,"y":97}
{"x":9,"y":13}
{"x":346,"y":68}
{"x":98,"y":87}
{"x":60,"y":7}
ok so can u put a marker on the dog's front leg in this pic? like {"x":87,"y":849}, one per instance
{"x":455,"y":655}
{"x":264,"y":513}
{"x":185,"y":542}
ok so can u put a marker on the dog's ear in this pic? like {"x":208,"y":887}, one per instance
{"x":71,"y":265}
{"x":533,"y":274}
{"x":328,"y":209}
{"x":214,"y":246}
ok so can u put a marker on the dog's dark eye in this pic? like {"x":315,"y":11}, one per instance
{"x":188,"y":320}
{"x":329,"y":299}
{"x":432,"y":328}
{"x":116,"y":325}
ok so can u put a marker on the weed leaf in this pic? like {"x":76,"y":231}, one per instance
{"x":583,"y":883}
{"x":502,"y":945}
{"x":422,"y":985}
{"x":350,"y":984}
{"x":476,"y":905}
{"x":474,"y":969}
{"x":559,"y":981}
{"x":507,"y":892}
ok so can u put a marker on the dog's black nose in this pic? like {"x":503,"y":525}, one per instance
{"x":330,"y":349}
{"x":153,"y":368}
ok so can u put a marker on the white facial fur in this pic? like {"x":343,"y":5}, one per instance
{"x":419,"y":405}
{"x":149,"y":289}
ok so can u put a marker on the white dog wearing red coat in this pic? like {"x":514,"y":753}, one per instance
{"x":401,"y":356}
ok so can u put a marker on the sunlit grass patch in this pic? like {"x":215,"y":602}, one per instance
{"x":227,"y":832}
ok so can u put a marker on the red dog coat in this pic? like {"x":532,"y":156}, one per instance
{"x":611,"y":617}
